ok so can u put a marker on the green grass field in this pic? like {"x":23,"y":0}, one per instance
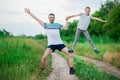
{"x":20,"y":59}
{"x":109,"y":49}
{"x":109,"y":52}
{"x":88,"y":71}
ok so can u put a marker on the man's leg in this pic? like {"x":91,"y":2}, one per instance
{"x":86,"y":33}
{"x":65,"y":51}
{"x":44,"y":58}
{"x":75,"y":40}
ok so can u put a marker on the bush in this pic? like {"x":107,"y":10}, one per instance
{"x":40,"y":36}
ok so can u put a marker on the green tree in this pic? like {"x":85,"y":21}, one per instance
{"x":96,"y":27}
{"x":70,"y":33}
{"x":112,"y":27}
{"x":4,"y":33}
{"x":40,"y":36}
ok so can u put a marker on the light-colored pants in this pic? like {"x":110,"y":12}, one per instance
{"x":85,"y":32}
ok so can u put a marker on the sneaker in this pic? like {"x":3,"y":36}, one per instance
{"x":96,"y":51}
{"x":72,"y":71}
{"x":70,"y":51}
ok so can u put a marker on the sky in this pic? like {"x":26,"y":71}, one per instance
{"x":15,"y":20}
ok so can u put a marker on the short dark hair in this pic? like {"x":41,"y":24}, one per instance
{"x":87,"y":7}
{"x":51,"y":14}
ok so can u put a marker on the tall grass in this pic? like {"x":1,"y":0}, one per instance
{"x":20,"y":59}
{"x":109,"y":50}
{"x":96,"y":39}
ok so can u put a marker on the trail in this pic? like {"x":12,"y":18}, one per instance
{"x":60,"y":69}
{"x":105,"y":66}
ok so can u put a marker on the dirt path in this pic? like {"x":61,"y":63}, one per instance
{"x":105,"y":66}
{"x":60,"y":69}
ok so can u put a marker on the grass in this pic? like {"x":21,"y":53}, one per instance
{"x":20,"y":59}
{"x":109,"y":50}
{"x":88,"y":71}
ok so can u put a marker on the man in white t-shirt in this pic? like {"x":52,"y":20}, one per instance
{"x":82,"y":27}
{"x":54,"y":39}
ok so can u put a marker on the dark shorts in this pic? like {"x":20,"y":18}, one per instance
{"x":56,"y":47}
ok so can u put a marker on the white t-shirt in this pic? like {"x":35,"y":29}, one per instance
{"x":53,"y":33}
{"x":84,"y":21}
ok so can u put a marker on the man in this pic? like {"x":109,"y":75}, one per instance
{"x":83,"y":26}
{"x":54,"y":39}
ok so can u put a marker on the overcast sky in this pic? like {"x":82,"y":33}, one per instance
{"x":14,"y":20}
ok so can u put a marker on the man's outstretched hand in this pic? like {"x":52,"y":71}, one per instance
{"x":27,"y":10}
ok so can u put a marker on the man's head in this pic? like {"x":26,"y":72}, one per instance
{"x":87,"y":10}
{"x":51,"y":17}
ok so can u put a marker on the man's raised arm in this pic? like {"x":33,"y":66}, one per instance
{"x":27,"y":10}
